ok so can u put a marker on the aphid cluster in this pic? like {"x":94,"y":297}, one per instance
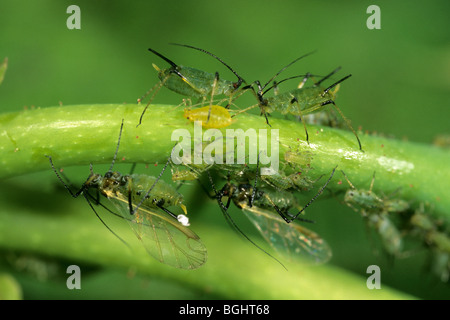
{"x":396,"y":222}
{"x":155,"y":210}
{"x":204,"y":86}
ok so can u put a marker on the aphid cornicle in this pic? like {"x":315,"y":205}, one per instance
{"x":268,"y":210}
{"x":144,"y":202}
{"x":300,"y":101}
{"x":377,"y":213}
{"x":192,"y":82}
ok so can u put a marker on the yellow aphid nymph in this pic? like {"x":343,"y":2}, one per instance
{"x":210,"y":116}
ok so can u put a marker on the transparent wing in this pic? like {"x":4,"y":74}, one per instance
{"x":289,"y":239}
{"x":163,"y":237}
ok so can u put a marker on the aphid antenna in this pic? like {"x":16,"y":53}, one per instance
{"x":240,"y":79}
{"x":256,"y":180}
{"x":91,"y":169}
{"x":335,"y":84}
{"x":290,"y":78}
{"x":316,"y":196}
{"x":82,"y":190}
{"x":284,"y":68}
{"x":74,"y":195}
{"x":233,"y":224}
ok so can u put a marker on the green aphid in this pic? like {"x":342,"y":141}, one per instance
{"x":301,"y":101}
{"x":269,"y":210}
{"x":434,"y":235}
{"x":378,"y":212}
{"x":194,"y":83}
{"x":145,"y":202}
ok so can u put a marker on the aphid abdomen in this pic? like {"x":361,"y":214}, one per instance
{"x":196,"y":83}
{"x":278,"y":181}
{"x":270,"y":198}
{"x":184,"y":175}
{"x":210,"y":116}
{"x":162,"y":193}
{"x":186,"y":87}
{"x":389,"y":234}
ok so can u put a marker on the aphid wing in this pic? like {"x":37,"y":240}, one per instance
{"x":163,"y":237}
{"x":289,"y":239}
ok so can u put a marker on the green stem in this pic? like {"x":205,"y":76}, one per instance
{"x":234,"y":270}
{"x":79,"y":135}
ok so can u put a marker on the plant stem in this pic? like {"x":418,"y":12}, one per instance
{"x":234,"y":270}
{"x":79,"y":135}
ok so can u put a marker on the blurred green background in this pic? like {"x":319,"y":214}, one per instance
{"x":400,"y":87}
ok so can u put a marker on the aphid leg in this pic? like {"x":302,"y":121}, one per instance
{"x":230,"y":221}
{"x":97,"y":198}
{"x":244,"y":110}
{"x":117,"y":149}
{"x":347,"y":122}
{"x":254,"y":185}
{"x":156,"y":87}
{"x":294,"y":100}
{"x":239,"y":92}
{"x":262,"y":101}
{"x":316,"y":196}
{"x":346,"y":178}
{"x":130,"y":198}
{"x":103,"y":222}
{"x":133,"y":167}
{"x":216,"y":80}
